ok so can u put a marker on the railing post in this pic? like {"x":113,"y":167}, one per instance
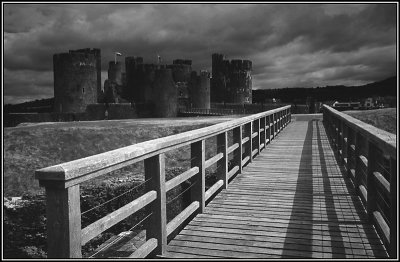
{"x":345,"y":140}
{"x":357,"y":160}
{"x":249,"y":144}
{"x":269,"y":128}
{"x":198,"y":159}
{"x":272,"y":126}
{"x":222,"y":147}
{"x":63,"y":212}
{"x":258,"y":139}
{"x":237,"y":138}
{"x":350,"y":153}
{"x":338,"y":138}
{"x":154,"y":168}
{"x":264,"y":133}
{"x":393,"y":208}
{"x":371,"y":184}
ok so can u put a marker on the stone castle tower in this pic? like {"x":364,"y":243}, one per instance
{"x":200,"y":90}
{"x":77,"y":79}
{"x":231,"y":80}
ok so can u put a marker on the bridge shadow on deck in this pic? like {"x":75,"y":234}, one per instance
{"x":378,"y":251}
{"x":304,"y":200}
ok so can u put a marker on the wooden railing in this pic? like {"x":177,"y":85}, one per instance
{"x":214,"y":111}
{"x":65,"y":236}
{"x":369,"y":156}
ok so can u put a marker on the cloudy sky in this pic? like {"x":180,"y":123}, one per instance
{"x":291,"y":45}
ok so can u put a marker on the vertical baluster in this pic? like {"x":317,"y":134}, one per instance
{"x":393,"y":208}
{"x":345,"y":137}
{"x":358,"y":164}
{"x":371,"y":184}
{"x":154,"y":168}
{"x":273,"y":126}
{"x":237,"y":138}
{"x":267,"y":124}
{"x":258,"y":138}
{"x":248,"y":145}
{"x":63,"y":211}
{"x":222,"y":147}
{"x":198,"y":159}
{"x":264,"y":133}
{"x":350,"y":152}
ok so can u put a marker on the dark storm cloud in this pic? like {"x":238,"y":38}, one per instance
{"x":289,"y":44}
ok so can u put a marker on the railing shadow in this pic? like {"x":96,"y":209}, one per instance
{"x":338,"y":249}
{"x":302,"y":201}
{"x":378,"y":250}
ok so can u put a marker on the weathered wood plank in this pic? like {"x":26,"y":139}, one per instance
{"x":213,"y":160}
{"x":211,"y":191}
{"x":145,"y":249}
{"x":118,"y":215}
{"x":182,"y":216}
{"x":303,"y":208}
{"x":170,"y":184}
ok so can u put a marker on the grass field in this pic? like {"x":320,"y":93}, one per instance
{"x":385,"y":118}
{"x":34,"y":146}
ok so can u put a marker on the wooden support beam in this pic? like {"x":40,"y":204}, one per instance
{"x":154,"y":169}
{"x":237,"y":138}
{"x":371,"y":184}
{"x":198,"y":180}
{"x":393,"y":208}
{"x":222,"y":147}
{"x":63,"y":212}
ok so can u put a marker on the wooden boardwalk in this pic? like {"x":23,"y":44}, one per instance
{"x":292,"y":201}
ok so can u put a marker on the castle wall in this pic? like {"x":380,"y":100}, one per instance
{"x":115,"y":111}
{"x":231,"y":80}
{"x":165,"y":94}
{"x":75,"y":81}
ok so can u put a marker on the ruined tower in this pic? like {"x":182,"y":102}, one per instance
{"x":218,"y":81}
{"x":231,"y":80}
{"x":240,"y":82}
{"x":200,"y":89}
{"x":115,"y":72}
{"x":165,"y":94}
{"x":132,"y":91}
{"x":77,"y":80}
{"x":97,"y":53}
{"x":181,"y":70}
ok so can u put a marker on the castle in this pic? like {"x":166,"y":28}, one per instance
{"x":159,"y":89}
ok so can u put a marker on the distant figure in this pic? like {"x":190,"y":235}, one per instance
{"x":106,"y":114}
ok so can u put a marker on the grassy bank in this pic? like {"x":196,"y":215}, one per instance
{"x":381,"y":118}
{"x":32,"y":147}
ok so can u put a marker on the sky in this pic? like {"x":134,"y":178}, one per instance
{"x":290,"y":45}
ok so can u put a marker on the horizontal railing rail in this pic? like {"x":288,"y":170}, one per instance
{"x":215,"y":111}
{"x":369,"y":155}
{"x":65,"y":236}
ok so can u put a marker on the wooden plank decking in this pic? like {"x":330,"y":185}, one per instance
{"x":292,"y":201}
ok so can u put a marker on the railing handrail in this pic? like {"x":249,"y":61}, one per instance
{"x":86,"y":166}
{"x":65,"y":236}
{"x":361,"y":149}
{"x":382,"y":139}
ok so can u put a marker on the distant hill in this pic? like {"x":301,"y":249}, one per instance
{"x":387,"y":87}
{"x":37,"y":106}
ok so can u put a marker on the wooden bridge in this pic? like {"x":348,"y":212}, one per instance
{"x":288,"y":188}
